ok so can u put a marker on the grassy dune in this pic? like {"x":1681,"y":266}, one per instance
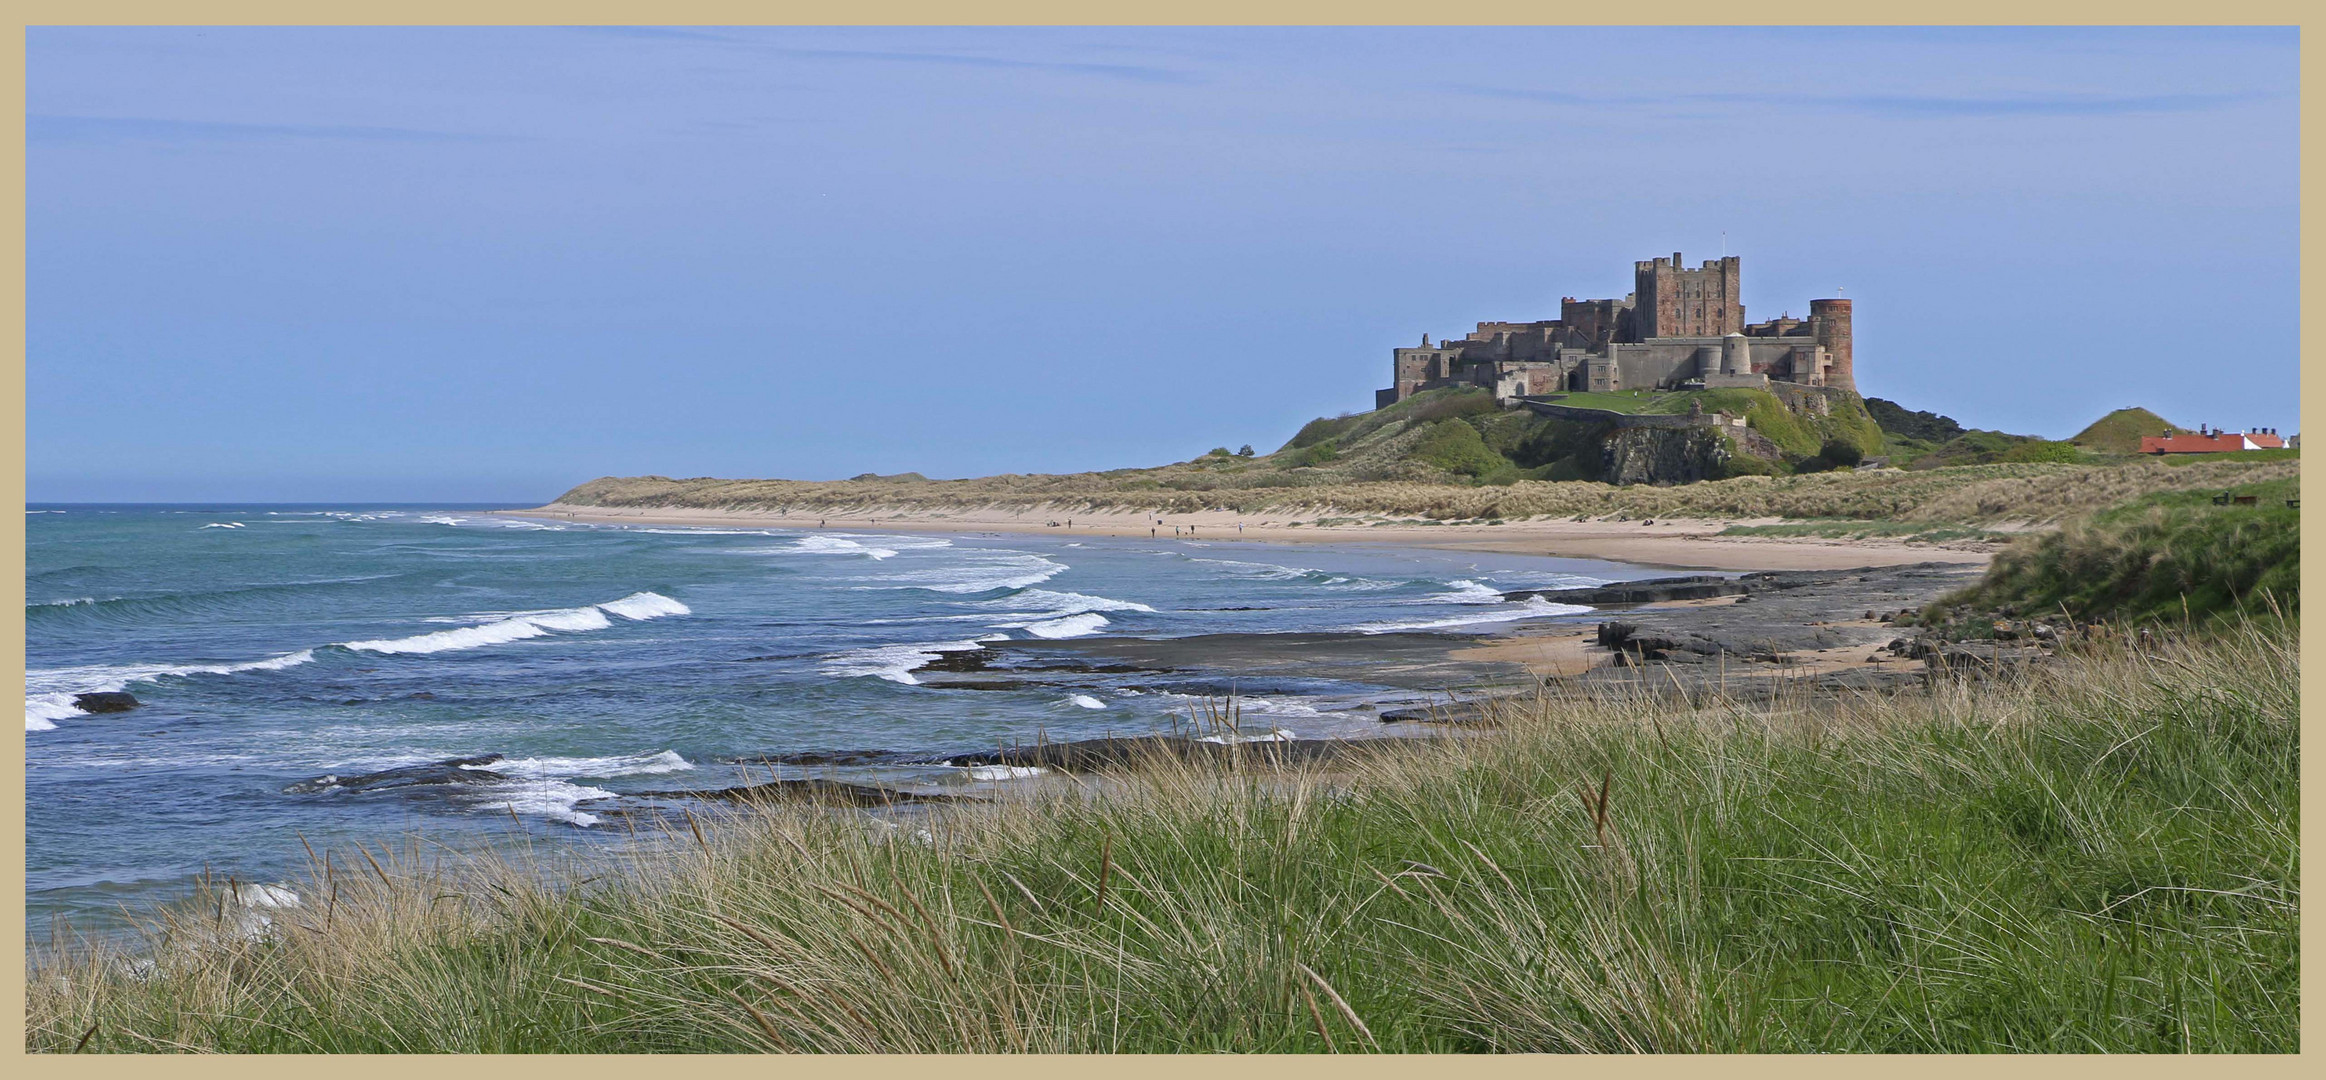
{"x":2102,"y":856}
{"x":1982,"y":494}
{"x":2167,"y":555}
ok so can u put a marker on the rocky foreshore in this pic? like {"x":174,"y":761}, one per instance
{"x":1751,"y":637}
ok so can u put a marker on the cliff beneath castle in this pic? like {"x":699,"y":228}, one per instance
{"x":1645,"y":455}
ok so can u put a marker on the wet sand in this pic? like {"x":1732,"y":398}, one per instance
{"x":1665,"y":543}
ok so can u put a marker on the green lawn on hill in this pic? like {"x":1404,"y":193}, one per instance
{"x":2120,"y":432}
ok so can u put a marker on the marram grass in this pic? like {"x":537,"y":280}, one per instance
{"x":1963,"y":495}
{"x":2102,"y":856}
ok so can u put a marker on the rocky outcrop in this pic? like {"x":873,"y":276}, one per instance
{"x":1663,"y":455}
{"x":113,"y":701}
{"x":1651,"y":591}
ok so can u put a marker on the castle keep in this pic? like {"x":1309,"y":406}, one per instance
{"x":1679,"y":328}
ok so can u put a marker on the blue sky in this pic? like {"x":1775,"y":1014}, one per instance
{"x":488,"y":264}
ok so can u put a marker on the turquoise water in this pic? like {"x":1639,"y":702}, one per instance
{"x":280,"y":649}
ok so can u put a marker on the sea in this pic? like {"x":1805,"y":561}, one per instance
{"x":281,"y":652}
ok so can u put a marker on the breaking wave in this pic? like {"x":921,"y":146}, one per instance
{"x":49,"y":692}
{"x":1467,"y":592}
{"x":1533,"y":607}
{"x":636,"y":607}
{"x":1258,"y":571}
{"x":1004,"y":772}
{"x":567,"y":768}
{"x":1081,"y":625}
{"x":985,"y":571}
{"x":885,"y":547}
{"x":896,"y":663}
{"x":1059,"y":614}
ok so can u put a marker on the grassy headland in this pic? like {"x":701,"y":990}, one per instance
{"x":2099,"y":856}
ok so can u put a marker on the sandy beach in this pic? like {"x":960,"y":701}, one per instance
{"x":1677,"y":544}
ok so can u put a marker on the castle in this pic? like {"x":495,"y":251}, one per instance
{"x":1679,"y":328}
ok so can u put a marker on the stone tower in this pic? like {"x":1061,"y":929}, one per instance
{"x":1829,"y":321}
{"x":1677,"y":302}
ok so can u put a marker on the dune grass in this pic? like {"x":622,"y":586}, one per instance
{"x":1969,"y":495}
{"x":2100,"y":856}
{"x":2172,"y":555}
{"x":1848,"y":529}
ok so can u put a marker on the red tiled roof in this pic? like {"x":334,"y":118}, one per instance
{"x":2196,"y":444}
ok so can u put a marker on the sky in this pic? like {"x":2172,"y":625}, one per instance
{"x":488,"y":264}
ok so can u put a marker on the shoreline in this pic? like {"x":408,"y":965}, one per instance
{"x":1660,"y":544}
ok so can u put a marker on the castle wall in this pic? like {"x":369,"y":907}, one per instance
{"x":1594,"y":323}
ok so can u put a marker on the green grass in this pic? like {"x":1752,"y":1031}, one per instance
{"x":2101,"y":857}
{"x":1847,"y":529}
{"x":2120,"y":432}
{"x":2165,"y":556}
{"x":1623,"y":401}
{"x":2185,"y":460}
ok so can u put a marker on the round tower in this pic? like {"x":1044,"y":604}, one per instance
{"x":1736,"y":356}
{"x":1830,"y":321}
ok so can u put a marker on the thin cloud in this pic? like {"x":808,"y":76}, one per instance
{"x":1128,"y":72}
{"x":1894,"y":105}
{"x":52,"y":128}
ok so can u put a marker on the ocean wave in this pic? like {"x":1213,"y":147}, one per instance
{"x":1544,"y":579}
{"x":556,"y":800}
{"x":1085,"y":701}
{"x":1533,"y":607}
{"x":832,"y":545}
{"x":984,"y":572}
{"x":491,"y":783}
{"x":224,"y":525}
{"x":49,"y":692}
{"x":1044,"y":601}
{"x":1258,"y":571}
{"x":230,"y":600}
{"x":640,"y":606}
{"x":1466,"y":592}
{"x":1082,"y":625}
{"x":567,"y":768}
{"x":1058,"y":614}
{"x":530,"y":624}
{"x":896,"y":663}
{"x":1278,"y":735}
{"x":883,"y":547}
{"x":1004,"y":772}
{"x":498,"y":632}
